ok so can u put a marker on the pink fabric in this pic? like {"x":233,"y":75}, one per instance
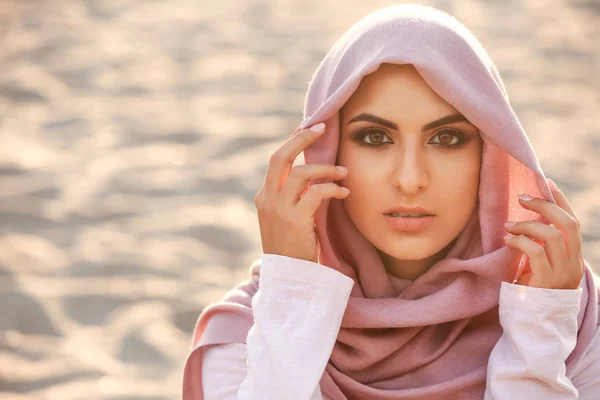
{"x":528,"y":362}
{"x":431,"y":339}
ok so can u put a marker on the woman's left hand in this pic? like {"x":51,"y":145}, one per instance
{"x":556,"y":262}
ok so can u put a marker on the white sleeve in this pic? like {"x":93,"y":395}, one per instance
{"x":298,"y":311}
{"x":540,"y":331}
{"x":223,"y":370}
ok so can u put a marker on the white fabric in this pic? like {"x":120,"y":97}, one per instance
{"x":291,"y":340}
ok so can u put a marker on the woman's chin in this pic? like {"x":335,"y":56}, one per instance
{"x":410,"y":252}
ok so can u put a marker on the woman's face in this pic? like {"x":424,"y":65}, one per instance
{"x":403,"y":162}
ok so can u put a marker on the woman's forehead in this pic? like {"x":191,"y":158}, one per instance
{"x":396,"y":92}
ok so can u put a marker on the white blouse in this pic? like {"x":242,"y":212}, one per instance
{"x":298,"y":311}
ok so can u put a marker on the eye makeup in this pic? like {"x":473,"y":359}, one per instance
{"x":459,"y":138}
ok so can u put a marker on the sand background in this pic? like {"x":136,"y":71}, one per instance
{"x":134,"y":135}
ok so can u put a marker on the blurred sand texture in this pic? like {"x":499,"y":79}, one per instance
{"x":134,"y":135}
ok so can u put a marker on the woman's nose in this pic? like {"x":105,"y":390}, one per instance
{"x":410,"y":174}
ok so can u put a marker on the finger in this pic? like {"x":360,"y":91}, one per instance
{"x":563,"y":202}
{"x":552,"y":212}
{"x":316,"y":194}
{"x":282,"y":159}
{"x":560,"y":218}
{"x":551,"y":239}
{"x":300,"y":175}
{"x":543,"y":276}
{"x":561,"y":199}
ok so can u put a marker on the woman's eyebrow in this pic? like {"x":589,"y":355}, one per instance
{"x":448,"y":119}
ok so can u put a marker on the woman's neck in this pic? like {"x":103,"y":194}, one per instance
{"x":412,"y":269}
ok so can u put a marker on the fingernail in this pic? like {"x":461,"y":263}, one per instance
{"x":525,"y":197}
{"x":342,"y":169}
{"x":509,"y":224}
{"x":318,"y":127}
{"x":508,"y":236}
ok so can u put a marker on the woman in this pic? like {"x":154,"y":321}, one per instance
{"x":405,"y":286}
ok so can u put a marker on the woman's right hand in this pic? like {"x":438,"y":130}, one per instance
{"x":286,"y":207}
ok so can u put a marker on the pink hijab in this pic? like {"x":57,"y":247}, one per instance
{"x":430,"y":338}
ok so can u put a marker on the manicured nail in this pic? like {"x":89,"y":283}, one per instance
{"x":509,"y":224}
{"x":318,"y":127}
{"x":525,"y":197}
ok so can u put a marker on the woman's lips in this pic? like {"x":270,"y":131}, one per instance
{"x":409,"y":224}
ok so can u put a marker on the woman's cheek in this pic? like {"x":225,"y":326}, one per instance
{"x":359,"y":177}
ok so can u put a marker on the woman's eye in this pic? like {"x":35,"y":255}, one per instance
{"x":376,"y":137}
{"x":445,"y":138}
{"x":448,"y":138}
